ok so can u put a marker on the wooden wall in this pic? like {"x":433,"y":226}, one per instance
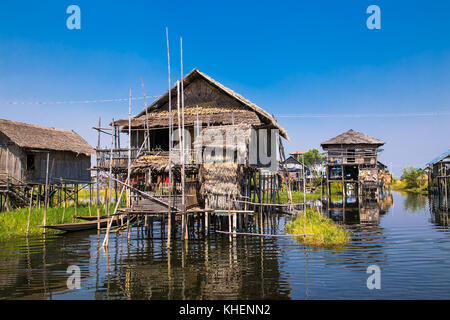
{"x":66,"y":165}
{"x":10,"y":158}
{"x":200,"y":91}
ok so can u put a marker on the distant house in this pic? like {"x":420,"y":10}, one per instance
{"x":296,"y":154}
{"x":26,"y":149}
{"x":352,"y":158}
{"x":385,"y":176}
{"x":439,"y":175}
{"x":295,"y":172}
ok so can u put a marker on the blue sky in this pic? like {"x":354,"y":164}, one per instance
{"x":290,"y":58}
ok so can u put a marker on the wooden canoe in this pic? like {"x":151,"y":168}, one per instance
{"x":81,"y":226}
{"x":89,"y":218}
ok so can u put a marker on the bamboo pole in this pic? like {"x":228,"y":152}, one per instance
{"x":179,"y":117}
{"x":98,"y":171}
{"x":129,"y":151}
{"x":182,"y":128}
{"x":29,"y":210}
{"x":110,"y":168}
{"x":304,"y":194}
{"x":170,"y":142}
{"x":106,"y":240}
{"x":147,"y":132}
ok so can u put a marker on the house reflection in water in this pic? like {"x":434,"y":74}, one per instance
{"x":353,"y":210}
{"x":439,"y":210}
{"x":212,"y":269}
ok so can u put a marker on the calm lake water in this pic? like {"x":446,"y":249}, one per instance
{"x":409,"y":243}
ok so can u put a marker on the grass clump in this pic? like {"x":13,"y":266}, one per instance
{"x":325,"y":232}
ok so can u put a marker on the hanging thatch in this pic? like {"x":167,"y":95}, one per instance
{"x":160,"y":163}
{"x":232,"y":142}
{"x":153,"y":162}
{"x":31,"y":136}
{"x":221,"y":185}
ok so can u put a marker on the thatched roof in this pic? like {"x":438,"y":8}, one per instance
{"x":205,"y":113}
{"x":352,"y":137}
{"x":243,"y":110}
{"x":31,"y":136}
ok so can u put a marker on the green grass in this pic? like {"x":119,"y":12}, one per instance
{"x":325,"y":232}
{"x":400,"y":185}
{"x":297,"y":196}
{"x":13,"y":224}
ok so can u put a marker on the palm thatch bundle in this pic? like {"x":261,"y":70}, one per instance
{"x":221,"y":185}
{"x":158,"y":163}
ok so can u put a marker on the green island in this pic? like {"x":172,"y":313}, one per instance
{"x":321,"y":231}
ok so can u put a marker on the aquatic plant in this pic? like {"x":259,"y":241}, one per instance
{"x":323,"y":231}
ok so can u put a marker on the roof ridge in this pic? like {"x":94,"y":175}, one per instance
{"x":226,"y":90}
{"x":353,"y":134}
{"x":35,"y":125}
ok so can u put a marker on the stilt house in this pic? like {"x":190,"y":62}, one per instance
{"x":352,"y":159}
{"x":219,"y":124}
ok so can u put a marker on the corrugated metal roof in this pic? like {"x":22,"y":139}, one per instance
{"x":441,"y":157}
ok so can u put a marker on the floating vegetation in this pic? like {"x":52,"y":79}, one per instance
{"x":323,"y":231}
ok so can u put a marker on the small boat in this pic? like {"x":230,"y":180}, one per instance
{"x":89,"y":218}
{"x":88,"y":225}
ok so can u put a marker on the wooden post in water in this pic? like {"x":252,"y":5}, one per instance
{"x":110,"y":167}
{"x":234,"y":224}
{"x":106,"y":240}
{"x":64,"y":200}
{"x":29,"y":209}
{"x":206,"y":214}
{"x":229,"y":219}
{"x":46,"y":192}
